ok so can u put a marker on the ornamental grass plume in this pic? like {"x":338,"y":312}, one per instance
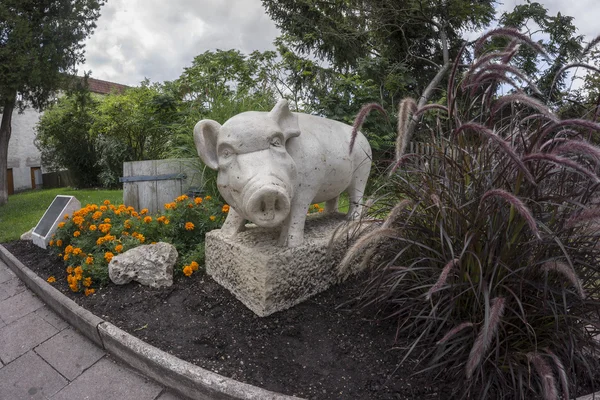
{"x":489,"y":257}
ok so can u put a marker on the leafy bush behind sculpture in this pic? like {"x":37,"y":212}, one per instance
{"x":488,"y":258}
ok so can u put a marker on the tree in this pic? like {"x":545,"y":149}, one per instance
{"x":40,"y":43}
{"x":135,"y":125}
{"x":65,"y":136}
{"x":399,"y":45}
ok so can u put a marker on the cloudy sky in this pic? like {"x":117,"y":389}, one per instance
{"x":156,"y":39}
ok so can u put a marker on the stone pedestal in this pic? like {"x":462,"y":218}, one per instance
{"x":269,"y":278}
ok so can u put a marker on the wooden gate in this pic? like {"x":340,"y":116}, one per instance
{"x":150,"y":184}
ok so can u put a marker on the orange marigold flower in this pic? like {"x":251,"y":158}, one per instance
{"x":321,"y":209}
{"x":112,"y":207}
{"x":69,"y":270}
{"x":89,"y":260}
{"x":207,"y":198}
{"x":181,"y":198}
{"x":89,"y":291}
{"x":189,"y":226}
{"x":106,"y":202}
{"x":97,"y":215}
{"x":104,"y":228}
{"x":103,"y":208}
{"x":68,"y":249}
{"x":119,"y":248}
{"x":78,"y":272}
{"x":212,"y":218}
{"x":66,"y":216}
{"x":66,"y":257}
{"x":61,"y":225}
{"x":141,"y":238}
{"x":59,"y":243}
{"x":51,"y":243}
{"x":107,"y":220}
{"x":225,"y":208}
{"x":194,"y":266}
{"x":316,"y":206}
{"x":144,"y":211}
{"x":124,"y":233}
{"x":87,"y":282}
{"x":191,"y":205}
{"x":76,"y":234}
{"x":51,"y":279}
{"x":70,"y":279}
{"x":108,"y":256}
{"x":77,"y":251}
{"x":93,"y":227}
{"x":187,"y":270}
{"x":78,"y":220}
{"x":147,"y":219}
{"x":198,"y":200}
{"x":74,"y":286}
{"x":134,"y":214}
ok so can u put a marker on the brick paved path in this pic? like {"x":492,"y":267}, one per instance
{"x":42,"y":357}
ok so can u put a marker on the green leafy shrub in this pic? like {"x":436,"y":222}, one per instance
{"x":93,"y":235}
{"x":488,"y":258}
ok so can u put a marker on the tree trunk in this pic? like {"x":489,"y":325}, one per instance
{"x":5,"y":131}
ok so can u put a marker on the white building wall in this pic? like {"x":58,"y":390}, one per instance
{"x":22,"y":153}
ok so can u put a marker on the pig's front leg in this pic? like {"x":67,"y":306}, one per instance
{"x":292,"y":232}
{"x":234,"y":223}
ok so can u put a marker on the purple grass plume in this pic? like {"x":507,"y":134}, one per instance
{"x":486,"y":333}
{"x":454,"y":331}
{"x":366,"y":240}
{"x":519,"y":206}
{"x":522,"y":98}
{"x":544,"y":371}
{"x":360,"y":118}
{"x":562,"y":374}
{"x":406,"y":107}
{"x":579,"y":147}
{"x":582,"y":123}
{"x":442,"y":278}
{"x":583,"y":217}
{"x":503,"y":144}
{"x":563,"y":162}
{"x":395,"y":213}
{"x":568,"y":272}
{"x":511,"y":33}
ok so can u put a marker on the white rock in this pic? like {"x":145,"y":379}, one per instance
{"x":150,"y":265}
{"x":273,"y":166}
{"x":27,"y":235}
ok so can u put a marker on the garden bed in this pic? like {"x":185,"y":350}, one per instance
{"x":315,"y":350}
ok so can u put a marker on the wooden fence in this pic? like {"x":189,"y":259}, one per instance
{"x":150,"y":184}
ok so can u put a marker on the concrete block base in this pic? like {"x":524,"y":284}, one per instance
{"x":269,"y":278}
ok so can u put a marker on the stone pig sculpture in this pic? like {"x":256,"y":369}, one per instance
{"x":273,"y":166}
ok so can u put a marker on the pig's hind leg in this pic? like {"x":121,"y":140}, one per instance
{"x":356,"y":189}
{"x":234,"y":223}
{"x":331,"y":206}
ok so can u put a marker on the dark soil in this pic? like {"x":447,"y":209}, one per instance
{"x":315,"y":350}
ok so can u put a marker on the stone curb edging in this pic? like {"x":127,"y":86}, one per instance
{"x":178,"y":375}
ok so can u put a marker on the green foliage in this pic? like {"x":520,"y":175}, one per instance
{"x":560,"y":42}
{"x":25,"y":209}
{"x":40,"y":44}
{"x":489,"y":255}
{"x":92,"y":135}
{"x":65,"y":137}
{"x":88,"y":239}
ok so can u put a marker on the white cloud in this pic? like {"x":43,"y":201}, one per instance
{"x":156,"y":39}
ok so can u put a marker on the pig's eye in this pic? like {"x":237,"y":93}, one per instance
{"x":276,"y":142}
{"x":226,"y":153}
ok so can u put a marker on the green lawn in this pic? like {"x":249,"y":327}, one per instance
{"x":24,"y":210}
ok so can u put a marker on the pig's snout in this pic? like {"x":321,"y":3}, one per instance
{"x":268,"y":206}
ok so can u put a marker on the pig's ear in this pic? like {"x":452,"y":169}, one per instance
{"x":206,"y":133}
{"x":285,"y":119}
